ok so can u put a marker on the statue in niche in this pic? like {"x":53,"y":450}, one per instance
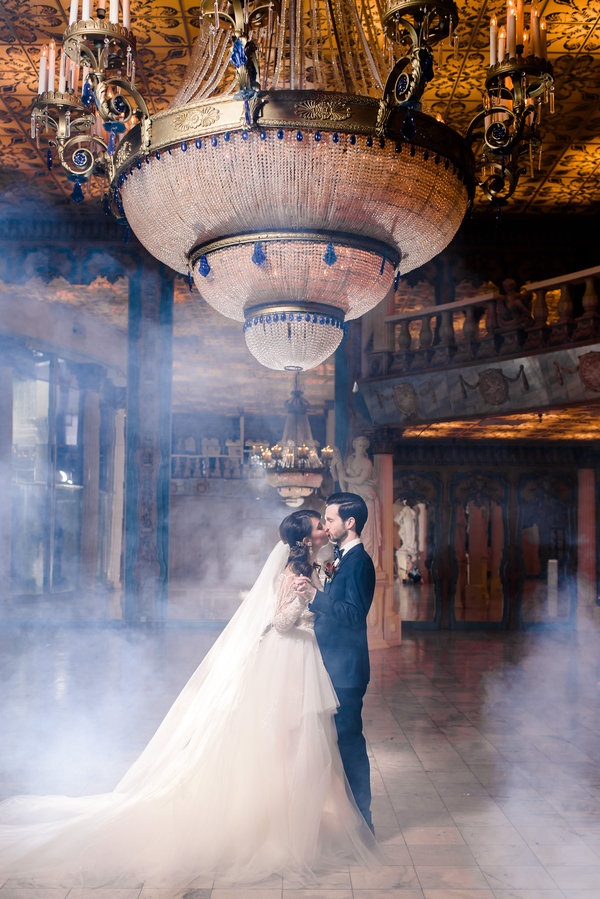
{"x":357,"y":475}
{"x":408,"y":530}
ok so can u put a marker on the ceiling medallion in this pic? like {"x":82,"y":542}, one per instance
{"x":296,"y":175}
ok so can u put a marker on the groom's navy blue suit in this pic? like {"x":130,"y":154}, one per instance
{"x":341,"y":629}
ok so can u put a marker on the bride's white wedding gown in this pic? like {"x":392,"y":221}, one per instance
{"x":243,"y":778}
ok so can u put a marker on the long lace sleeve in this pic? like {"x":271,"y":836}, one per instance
{"x":289,"y":606}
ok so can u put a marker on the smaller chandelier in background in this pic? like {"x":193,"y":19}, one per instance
{"x":294,"y":466}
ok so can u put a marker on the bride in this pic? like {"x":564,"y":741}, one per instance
{"x":243,"y":778}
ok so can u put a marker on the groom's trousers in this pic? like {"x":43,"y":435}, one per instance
{"x":353,"y":747}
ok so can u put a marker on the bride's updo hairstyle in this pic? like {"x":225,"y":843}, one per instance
{"x":293,"y":530}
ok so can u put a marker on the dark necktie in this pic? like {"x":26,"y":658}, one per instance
{"x":337,"y":554}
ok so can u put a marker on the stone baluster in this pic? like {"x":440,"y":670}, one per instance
{"x":425,"y":343}
{"x":562,"y":330}
{"x":470,"y":331}
{"x":513,"y":317}
{"x":588,"y":325}
{"x":446,"y":346}
{"x":590,"y":298}
{"x":403,"y":344}
{"x":540,"y":309}
{"x":487,"y":343}
{"x":538,"y":333}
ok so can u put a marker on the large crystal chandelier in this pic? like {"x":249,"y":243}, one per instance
{"x":293,"y":466}
{"x":296,"y":175}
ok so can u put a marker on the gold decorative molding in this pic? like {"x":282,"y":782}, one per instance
{"x":323,"y":110}
{"x":202,"y":117}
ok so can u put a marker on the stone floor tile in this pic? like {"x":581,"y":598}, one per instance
{"x":505,"y":854}
{"x":455,"y":856}
{"x":566,"y":854}
{"x":525,"y":877}
{"x":459,"y":894}
{"x":528,"y":894}
{"x":303,"y":894}
{"x":334,"y":880}
{"x":580,"y":894}
{"x":450,"y":878}
{"x":108,"y":893}
{"x":429,"y":836}
{"x":8,"y":892}
{"x":388,"y":894}
{"x":273,"y":882}
{"x":584,"y":877}
{"x":391,"y":877}
{"x":244,"y":893}
{"x":152,"y":893}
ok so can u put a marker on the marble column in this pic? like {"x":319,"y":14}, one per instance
{"x":6,"y":427}
{"x":148,"y":442}
{"x":384,"y":623}
{"x":586,"y":547}
{"x":117,"y":504}
{"x":90,"y":501}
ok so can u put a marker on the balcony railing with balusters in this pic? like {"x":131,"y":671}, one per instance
{"x":539,"y":317}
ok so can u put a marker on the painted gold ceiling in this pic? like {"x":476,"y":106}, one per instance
{"x":571,"y":423}
{"x":570,"y":170}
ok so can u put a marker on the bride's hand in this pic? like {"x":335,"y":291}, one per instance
{"x":304,"y":588}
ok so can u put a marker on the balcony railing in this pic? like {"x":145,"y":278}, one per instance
{"x":558,"y":312}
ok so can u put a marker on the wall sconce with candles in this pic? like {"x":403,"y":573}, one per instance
{"x":518,"y":84}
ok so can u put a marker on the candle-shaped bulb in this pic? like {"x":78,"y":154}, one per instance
{"x":534,"y":27}
{"x":126,"y":14}
{"x":62,"y":74}
{"x":543,"y":39}
{"x":493,"y":41}
{"x":511,"y":32}
{"x":101,"y":9}
{"x":51,"y":65}
{"x":520,"y":22}
{"x":501,"y":43}
{"x":43,"y":74}
{"x":73,"y":11}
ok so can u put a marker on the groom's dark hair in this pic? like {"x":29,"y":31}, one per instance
{"x":351,"y":505}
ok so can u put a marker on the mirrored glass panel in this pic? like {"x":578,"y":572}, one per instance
{"x":546,"y":529}
{"x":30,"y":497}
{"x":479,"y":547}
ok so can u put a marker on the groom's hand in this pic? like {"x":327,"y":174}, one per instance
{"x":305,"y":588}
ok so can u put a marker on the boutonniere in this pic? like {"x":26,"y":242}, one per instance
{"x":330,"y":569}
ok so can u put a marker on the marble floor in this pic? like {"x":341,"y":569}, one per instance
{"x":485,"y":754}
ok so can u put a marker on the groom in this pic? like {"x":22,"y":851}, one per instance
{"x":341,"y":610}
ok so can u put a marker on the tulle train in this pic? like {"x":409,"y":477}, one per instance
{"x":239,"y":788}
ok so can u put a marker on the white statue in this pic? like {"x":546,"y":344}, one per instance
{"x":406,"y":519}
{"x":357,"y":475}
